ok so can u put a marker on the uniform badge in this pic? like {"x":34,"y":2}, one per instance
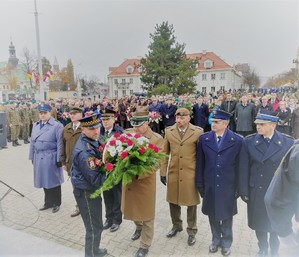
{"x":91,"y":163}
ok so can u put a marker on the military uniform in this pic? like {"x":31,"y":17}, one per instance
{"x":13,"y":121}
{"x":86,"y":178}
{"x":25,"y":123}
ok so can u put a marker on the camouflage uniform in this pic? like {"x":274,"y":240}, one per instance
{"x":13,"y":121}
{"x":25,"y":122}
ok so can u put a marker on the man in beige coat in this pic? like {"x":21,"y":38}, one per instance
{"x":139,"y":197}
{"x":180,"y":142}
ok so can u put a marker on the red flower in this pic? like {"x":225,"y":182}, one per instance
{"x":98,"y":162}
{"x":142,"y":149}
{"x":112,"y":142}
{"x":156,"y":149}
{"x":129,"y":135}
{"x":124,"y":155}
{"x":137,"y":136}
{"x":109,"y":166}
{"x":101,"y":148}
{"x":122,"y":139}
{"x":116,"y":135}
{"x":130,"y":142}
{"x":151,"y":146}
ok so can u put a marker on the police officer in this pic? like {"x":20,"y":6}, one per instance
{"x":217,"y":179}
{"x":86,"y":178}
{"x":260,"y":156}
{"x":112,"y":197}
{"x":45,"y":151}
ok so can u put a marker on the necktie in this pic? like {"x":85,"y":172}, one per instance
{"x":74,"y":127}
{"x":182,"y":133}
{"x":42,"y":125}
{"x":106,"y":133}
{"x":267,"y":139}
{"x":219,"y":139}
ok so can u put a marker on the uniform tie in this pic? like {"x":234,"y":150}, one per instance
{"x":106,"y":133}
{"x":74,"y":127}
{"x":267,"y":139}
{"x":219,"y":139}
{"x":182,"y":133}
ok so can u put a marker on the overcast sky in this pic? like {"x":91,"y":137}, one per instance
{"x":97,"y":34}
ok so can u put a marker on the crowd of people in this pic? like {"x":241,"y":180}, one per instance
{"x":219,"y":148}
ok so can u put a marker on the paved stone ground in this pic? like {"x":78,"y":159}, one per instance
{"x":55,"y":230}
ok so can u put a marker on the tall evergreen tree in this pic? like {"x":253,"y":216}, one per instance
{"x":70,"y":71}
{"x":166,"y":63}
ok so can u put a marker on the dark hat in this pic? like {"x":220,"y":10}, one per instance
{"x":139,"y":118}
{"x":107,"y":113}
{"x":220,"y":115}
{"x":266,"y":116}
{"x":76,"y":109}
{"x":91,"y":121}
{"x":44,"y":108}
{"x":182,"y":112}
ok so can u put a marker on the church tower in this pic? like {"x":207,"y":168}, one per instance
{"x":55,"y":66}
{"x":12,"y":60}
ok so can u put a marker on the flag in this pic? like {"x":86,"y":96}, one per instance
{"x":49,"y":76}
{"x":29,"y":74}
{"x":36,"y":77}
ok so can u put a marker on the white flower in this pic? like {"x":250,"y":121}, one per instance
{"x":119,"y":148}
{"x":112,"y":151}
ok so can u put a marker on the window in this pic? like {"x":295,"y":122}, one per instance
{"x":131,"y":92}
{"x":115,"y":81}
{"x":131,"y":80}
{"x":213,"y":89}
{"x":124,"y":92}
{"x":213,"y":76}
{"x":222,"y":88}
{"x":130,"y":69}
{"x":123,"y":81}
{"x":204,"y":76}
{"x":208,"y":64}
{"x":204,"y":90}
{"x":116,"y":92}
{"x":222,"y":75}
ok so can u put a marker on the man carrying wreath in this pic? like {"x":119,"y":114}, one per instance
{"x":139,"y":197}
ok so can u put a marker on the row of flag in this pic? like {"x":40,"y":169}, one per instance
{"x":36,"y":76}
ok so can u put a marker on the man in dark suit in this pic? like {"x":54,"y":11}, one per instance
{"x":200,"y":113}
{"x":260,"y":156}
{"x":112,"y":197}
{"x":229,"y":105}
{"x":168,"y":112}
{"x":217,"y":179}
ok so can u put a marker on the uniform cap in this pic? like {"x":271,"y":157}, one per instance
{"x":76,"y":109}
{"x":182,"y":112}
{"x":90,"y":121}
{"x":44,"y":108}
{"x":220,"y":115}
{"x":139,"y":118}
{"x":107,"y":113}
{"x":266,"y":116}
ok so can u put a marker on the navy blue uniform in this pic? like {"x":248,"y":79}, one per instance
{"x":169,"y":110}
{"x":112,"y":197}
{"x":86,"y":178}
{"x":258,"y":162}
{"x":217,"y":174}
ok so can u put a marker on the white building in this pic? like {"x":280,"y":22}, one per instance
{"x":214,"y":74}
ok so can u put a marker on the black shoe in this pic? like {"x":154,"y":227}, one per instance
{"x":101,"y":252}
{"x":75,"y":213}
{"x":17,"y":143}
{"x":55,"y":208}
{"x":225,"y":251}
{"x":141,"y":252}
{"x":136,"y":234}
{"x":14,"y":143}
{"x":26,"y":141}
{"x":114,"y":227}
{"x":262,"y":253}
{"x":173,"y":232}
{"x":107,"y":224}
{"x":213,"y":248}
{"x":191,"y":240}
{"x":44,"y":208}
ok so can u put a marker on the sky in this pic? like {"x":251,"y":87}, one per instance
{"x":98,"y":34}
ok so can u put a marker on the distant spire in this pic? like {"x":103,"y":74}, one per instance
{"x":12,"y":60}
{"x":55,"y":65}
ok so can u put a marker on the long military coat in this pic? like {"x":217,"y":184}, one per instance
{"x":45,"y":151}
{"x":139,"y":197}
{"x":217,"y":173}
{"x":69,"y":140}
{"x":181,"y":189}
{"x":258,"y":163}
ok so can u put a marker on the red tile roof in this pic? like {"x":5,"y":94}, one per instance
{"x":121,"y":70}
{"x":218,"y":63}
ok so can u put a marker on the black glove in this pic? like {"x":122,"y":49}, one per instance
{"x":201,"y":191}
{"x":163,"y":180}
{"x":245,"y":198}
{"x":59,"y":164}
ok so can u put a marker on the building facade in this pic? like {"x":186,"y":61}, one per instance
{"x":214,"y":75}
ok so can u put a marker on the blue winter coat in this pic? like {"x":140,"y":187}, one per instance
{"x":217,"y":173}
{"x":257,"y":166}
{"x":45,"y":151}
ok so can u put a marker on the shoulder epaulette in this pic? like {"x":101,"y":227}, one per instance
{"x":251,"y":135}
